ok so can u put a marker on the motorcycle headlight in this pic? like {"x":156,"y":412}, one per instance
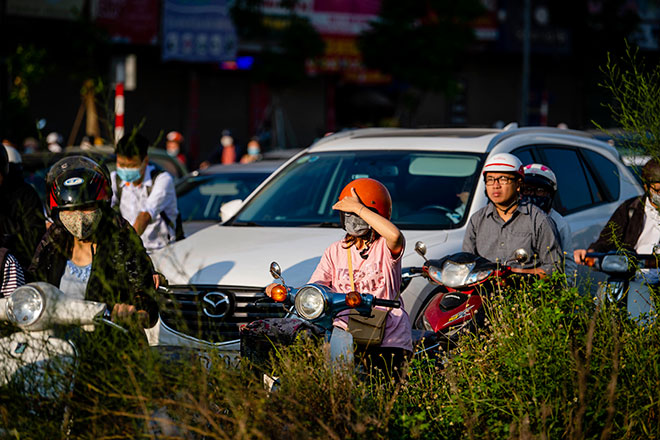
{"x":24,"y":306}
{"x":614,"y":263}
{"x":475,"y":277}
{"x":455,"y":275}
{"x":310,"y":302}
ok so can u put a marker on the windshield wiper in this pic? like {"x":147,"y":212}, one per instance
{"x":245,"y":224}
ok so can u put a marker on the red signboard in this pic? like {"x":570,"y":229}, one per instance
{"x":129,"y":21}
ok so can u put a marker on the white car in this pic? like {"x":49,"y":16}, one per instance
{"x":434,"y":177}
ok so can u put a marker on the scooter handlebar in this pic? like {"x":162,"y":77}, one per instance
{"x":387,"y":303}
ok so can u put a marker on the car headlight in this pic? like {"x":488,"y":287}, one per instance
{"x":25,"y":306}
{"x":310,"y":302}
{"x":614,"y":263}
{"x":455,"y":275}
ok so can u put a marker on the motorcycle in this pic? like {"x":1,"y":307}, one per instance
{"x":311,"y":309}
{"x":457,"y":306}
{"x":627,"y":283}
{"x":39,"y":356}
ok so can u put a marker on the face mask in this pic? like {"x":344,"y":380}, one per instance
{"x":542,"y":202}
{"x":354,"y":225}
{"x":655,"y":198}
{"x":128,"y":174}
{"x":226,"y":141}
{"x":253,"y":151}
{"x":173,"y":152}
{"x":81,"y":224}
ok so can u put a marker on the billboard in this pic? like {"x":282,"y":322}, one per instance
{"x":198,"y":31}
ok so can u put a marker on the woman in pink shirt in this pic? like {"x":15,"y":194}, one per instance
{"x":376,"y":246}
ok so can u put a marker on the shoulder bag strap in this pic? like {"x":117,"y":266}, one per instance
{"x":350,"y":268}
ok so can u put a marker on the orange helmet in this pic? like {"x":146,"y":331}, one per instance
{"x":372,"y":193}
{"x":175,"y":136}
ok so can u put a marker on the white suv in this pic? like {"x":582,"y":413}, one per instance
{"x":434,"y":177}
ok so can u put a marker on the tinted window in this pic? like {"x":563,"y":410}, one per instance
{"x":525,"y":155}
{"x":429,"y":190}
{"x":606,"y":171}
{"x":200,"y":198}
{"x":572,"y":186}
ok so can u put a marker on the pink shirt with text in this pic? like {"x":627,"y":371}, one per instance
{"x":379,"y":275}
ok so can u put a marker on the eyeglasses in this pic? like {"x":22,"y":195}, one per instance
{"x":502,"y":180}
{"x":534,"y":191}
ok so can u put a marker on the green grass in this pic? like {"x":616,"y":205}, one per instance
{"x":553,"y":365}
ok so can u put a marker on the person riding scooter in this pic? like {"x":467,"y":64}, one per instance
{"x":91,"y":252}
{"x":539,"y":188}
{"x":505,"y":225}
{"x":368,"y":260}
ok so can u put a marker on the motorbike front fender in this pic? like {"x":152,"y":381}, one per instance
{"x":38,"y":363}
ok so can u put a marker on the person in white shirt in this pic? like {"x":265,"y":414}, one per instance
{"x":145,"y":197}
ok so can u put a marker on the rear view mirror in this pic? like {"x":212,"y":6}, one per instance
{"x":614,"y":263}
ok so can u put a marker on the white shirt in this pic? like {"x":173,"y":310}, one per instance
{"x":135,"y":199}
{"x":647,"y":240}
{"x":566,"y":237}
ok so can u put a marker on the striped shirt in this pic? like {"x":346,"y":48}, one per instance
{"x":12,"y":276}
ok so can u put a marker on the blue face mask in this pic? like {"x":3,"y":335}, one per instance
{"x":128,"y":174}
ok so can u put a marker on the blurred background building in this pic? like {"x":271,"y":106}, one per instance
{"x":290,"y":71}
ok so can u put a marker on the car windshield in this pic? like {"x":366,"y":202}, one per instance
{"x":200,"y":197}
{"x":429,"y":190}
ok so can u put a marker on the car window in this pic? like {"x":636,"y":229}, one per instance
{"x":525,"y":155}
{"x":572,"y":186}
{"x":429,"y":190}
{"x":200,"y":197}
{"x":607,"y":172}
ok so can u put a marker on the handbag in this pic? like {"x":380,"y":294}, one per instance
{"x":366,"y":330}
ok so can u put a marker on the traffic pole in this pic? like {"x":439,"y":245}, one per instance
{"x":544,"y":109}
{"x":119,"y":111}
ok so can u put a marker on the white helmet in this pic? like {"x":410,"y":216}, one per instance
{"x":539,"y":174}
{"x":55,"y":138}
{"x":503,"y":163}
{"x":13,"y":154}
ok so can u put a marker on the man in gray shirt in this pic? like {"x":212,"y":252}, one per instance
{"x":504,"y":225}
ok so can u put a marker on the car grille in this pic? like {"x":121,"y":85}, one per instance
{"x":189,"y":309}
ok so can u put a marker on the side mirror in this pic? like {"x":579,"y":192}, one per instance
{"x":276,"y":271}
{"x":521,"y":256}
{"x":420,"y":248}
{"x":229,"y":209}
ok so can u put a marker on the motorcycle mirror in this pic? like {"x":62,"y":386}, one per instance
{"x":521,"y":255}
{"x":656,"y":249}
{"x":420,"y":248}
{"x":276,"y":271}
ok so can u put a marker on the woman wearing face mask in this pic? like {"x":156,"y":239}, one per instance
{"x":91,"y":252}
{"x":375,"y":245}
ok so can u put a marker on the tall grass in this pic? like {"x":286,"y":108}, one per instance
{"x":554,"y":364}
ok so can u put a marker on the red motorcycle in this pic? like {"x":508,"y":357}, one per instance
{"x":466,"y":279}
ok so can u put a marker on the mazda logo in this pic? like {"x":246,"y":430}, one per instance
{"x":216,"y":304}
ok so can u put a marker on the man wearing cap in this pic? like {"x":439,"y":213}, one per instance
{"x":505,"y":225}
{"x":635,"y":225}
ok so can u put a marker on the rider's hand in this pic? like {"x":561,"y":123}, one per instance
{"x":351,"y":203}
{"x":269,"y":289}
{"x":128,"y":312}
{"x":579,"y":255}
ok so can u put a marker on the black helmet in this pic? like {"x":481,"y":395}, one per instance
{"x":651,"y":171}
{"x":77,"y":182}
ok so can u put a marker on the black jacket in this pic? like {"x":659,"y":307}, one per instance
{"x":121,"y":269}
{"x":624,"y":227}
{"x":22,"y":223}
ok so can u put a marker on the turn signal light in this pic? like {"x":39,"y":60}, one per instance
{"x":353,"y":299}
{"x":589,"y":261}
{"x":278,"y":293}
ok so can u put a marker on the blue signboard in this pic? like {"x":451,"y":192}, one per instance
{"x":198,"y":31}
